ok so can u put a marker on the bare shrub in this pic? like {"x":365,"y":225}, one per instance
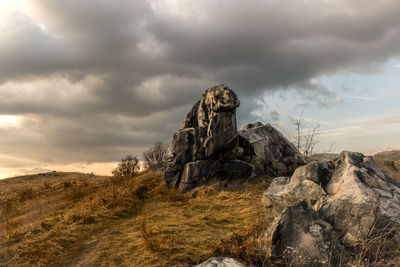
{"x":128,"y":167}
{"x":306,"y":138}
{"x":377,"y":245}
{"x":154,"y":157}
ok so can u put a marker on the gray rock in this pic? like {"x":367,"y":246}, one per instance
{"x":301,"y":236}
{"x":359,"y":196}
{"x":252,"y":125}
{"x":209,"y":147}
{"x":181,"y":151}
{"x":274,"y":155}
{"x":221,"y":262}
{"x":350,"y":193}
{"x":202,"y":172}
{"x":214,"y":118}
{"x":208,"y":131}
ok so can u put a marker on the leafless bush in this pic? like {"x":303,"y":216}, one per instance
{"x":154,"y":157}
{"x":128,"y":167}
{"x":306,"y":138}
{"x":377,"y":245}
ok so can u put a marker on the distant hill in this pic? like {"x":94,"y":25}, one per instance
{"x":321,"y":157}
{"x":389,"y":162}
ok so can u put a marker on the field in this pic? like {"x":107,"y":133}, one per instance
{"x":74,"y":219}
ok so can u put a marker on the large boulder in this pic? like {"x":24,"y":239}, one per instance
{"x":350,"y":193}
{"x":209,"y":147}
{"x":214,"y":121}
{"x":359,"y":197}
{"x":202,"y":172}
{"x":301,"y":236}
{"x":221,"y":262}
{"x":307,"y":183}
{"x":274,"y":155}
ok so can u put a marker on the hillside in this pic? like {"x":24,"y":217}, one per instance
{"x":389,"y":162}
{"x":73,"y":219}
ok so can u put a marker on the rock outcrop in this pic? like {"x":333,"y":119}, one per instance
{"x":221,"y":262}
{"x":350,"y":193}
{"x":209,"y":147}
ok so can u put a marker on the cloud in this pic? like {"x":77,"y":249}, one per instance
{"x":363,"y":98}
{"x":274,"y":115}
{"x":314,"y":93}
{"x":97,"y":79}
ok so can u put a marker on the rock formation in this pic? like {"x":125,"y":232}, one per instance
{"x":209,"y":147}
{"x":350,"y":193}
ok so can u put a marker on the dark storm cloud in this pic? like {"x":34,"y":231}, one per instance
{"x":107,"y":75}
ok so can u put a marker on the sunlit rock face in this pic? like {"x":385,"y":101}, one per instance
{"x":221,"y":262}
{"x":213,"y":119}
{"x":350,"y":193}
{"x":209,"y":147}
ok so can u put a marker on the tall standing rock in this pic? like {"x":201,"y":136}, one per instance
{"x":208,"y":131}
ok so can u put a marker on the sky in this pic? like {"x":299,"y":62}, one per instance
{"x":84,"y":83}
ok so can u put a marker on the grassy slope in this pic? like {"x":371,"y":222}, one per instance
{"x":389,"y":162}
{"x":73,"y":219}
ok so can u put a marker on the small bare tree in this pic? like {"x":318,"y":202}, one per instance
{"x":305,"y":138}
{"x":154,"y":157}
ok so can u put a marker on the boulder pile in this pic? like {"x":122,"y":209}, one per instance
{"x":210,"y":148}
{"x":347,"y":201}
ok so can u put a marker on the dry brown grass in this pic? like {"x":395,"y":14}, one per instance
{"x":83,"y":220}
{"x":72,"y":219}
